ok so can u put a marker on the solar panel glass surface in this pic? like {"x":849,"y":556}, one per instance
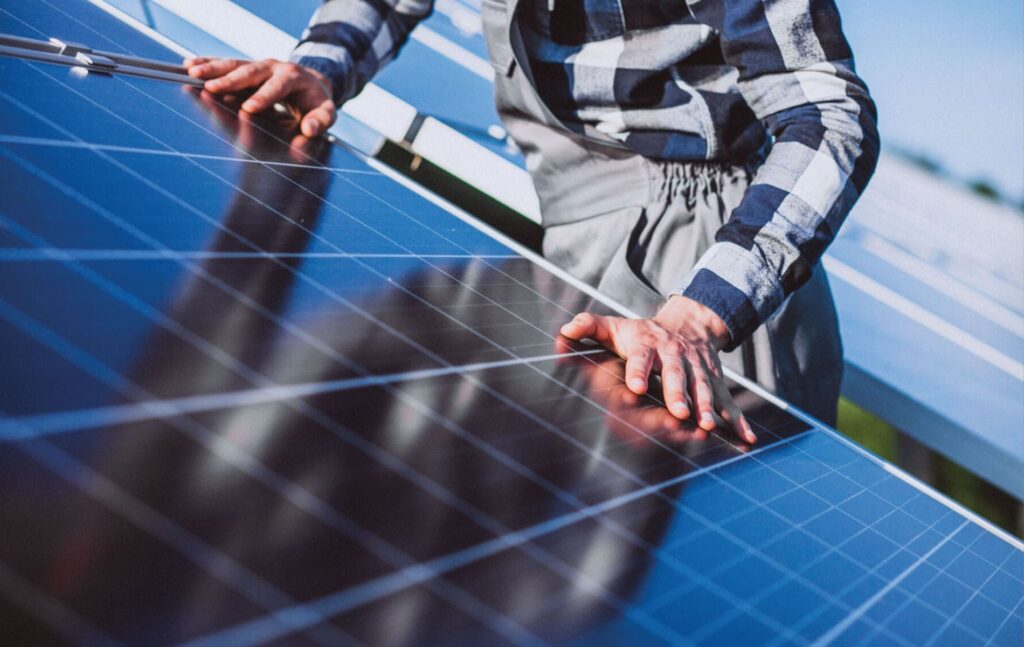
{"x":254,"y":390}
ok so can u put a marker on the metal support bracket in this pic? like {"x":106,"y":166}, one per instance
{"x":96,"y":61}
{"x":68,"y":48}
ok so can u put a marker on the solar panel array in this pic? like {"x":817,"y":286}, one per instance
{"x":253,"y":390}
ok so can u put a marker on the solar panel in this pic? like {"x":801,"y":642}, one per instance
{"x":255,"y":391}
{"x":891,"y":262}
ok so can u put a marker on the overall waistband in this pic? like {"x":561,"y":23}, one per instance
{"x":595,"y":186}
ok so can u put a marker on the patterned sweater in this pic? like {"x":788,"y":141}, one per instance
{"x":708,"y":80}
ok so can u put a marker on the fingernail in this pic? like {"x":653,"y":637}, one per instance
{"x":706,"y":418}
{"x":314,"y":126}
{"x":636,"y":383}
{"x":250,"y":105}
{"x":680,"y":409}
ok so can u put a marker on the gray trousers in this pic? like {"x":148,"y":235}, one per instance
{"x":634,"y":228}
{"x":638,"y":255}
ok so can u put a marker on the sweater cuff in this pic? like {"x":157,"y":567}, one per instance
{"x":737,"y":286}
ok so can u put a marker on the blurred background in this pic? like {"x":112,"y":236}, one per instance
{"x":928,"y":271}
{"x":949,"y":78}
{"x":949,"y":81}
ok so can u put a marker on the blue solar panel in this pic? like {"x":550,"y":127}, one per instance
{"x":254,"y":393}
{"x":78,"y":22}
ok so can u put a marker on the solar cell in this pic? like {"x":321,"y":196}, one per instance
{"x":255,"y":390}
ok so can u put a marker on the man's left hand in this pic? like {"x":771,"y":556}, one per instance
{"x":682,"y":341}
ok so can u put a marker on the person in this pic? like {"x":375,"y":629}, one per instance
{"x":693,"y":160}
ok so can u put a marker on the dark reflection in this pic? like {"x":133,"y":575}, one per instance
{"x":273,"y":136}
{"x":251,"y":504}
{"x":271,"y":200}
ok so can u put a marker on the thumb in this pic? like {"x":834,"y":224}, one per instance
{"x":582,"y":326}
{"x":317,"y":121}
{"x":586,"y":325}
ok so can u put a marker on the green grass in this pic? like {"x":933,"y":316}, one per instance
{"x":867,"y":430}
{"x":951,"y":479}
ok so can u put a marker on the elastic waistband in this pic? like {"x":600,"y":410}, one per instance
{"x":674,"y":180}
{"x":592,"y":189}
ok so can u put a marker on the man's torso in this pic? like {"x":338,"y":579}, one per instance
{"x":642,"y":75}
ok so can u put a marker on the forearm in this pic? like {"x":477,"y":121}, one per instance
{"x":823,"y":156}
{"x":796,"y":73}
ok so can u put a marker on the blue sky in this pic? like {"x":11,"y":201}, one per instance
{"x":949,"y":80}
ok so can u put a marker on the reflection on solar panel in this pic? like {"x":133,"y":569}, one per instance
{"x":254,"y":390}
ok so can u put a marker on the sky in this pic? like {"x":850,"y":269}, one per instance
{"x":948,"y":78}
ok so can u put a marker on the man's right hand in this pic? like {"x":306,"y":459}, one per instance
{"x":305,"y":89}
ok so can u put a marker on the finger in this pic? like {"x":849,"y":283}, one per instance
{"x":274,"y":89}
{"x":586,"y":325}
{"x":214,"y":67}
{"x":196,"y":60}
{"x":738,"y":423}
{"x":673,"y":383}
{"x":702,"y":397}
{"x":638,"y":367}
{"x":246,"y":76}
{"x":319,"y":119}
{"x":732,"y":415}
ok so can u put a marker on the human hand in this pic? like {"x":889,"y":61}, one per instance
{"x":635,"y":419}
{"x":305,"y":89}
{"x":682,"y":341}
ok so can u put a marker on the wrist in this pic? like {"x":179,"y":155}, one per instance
{"x":324,"y":82}
{"x":689,"y":318}
{"x":328,"y":74}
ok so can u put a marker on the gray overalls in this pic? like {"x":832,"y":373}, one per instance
{"x":635,"y":227}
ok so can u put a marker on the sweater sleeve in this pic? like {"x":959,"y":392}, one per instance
{"x":351,"y":40}
{"x":796,"y":72}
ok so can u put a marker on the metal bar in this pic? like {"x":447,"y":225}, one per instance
{"x":77,"y":55}
{"x":9,"y":40}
